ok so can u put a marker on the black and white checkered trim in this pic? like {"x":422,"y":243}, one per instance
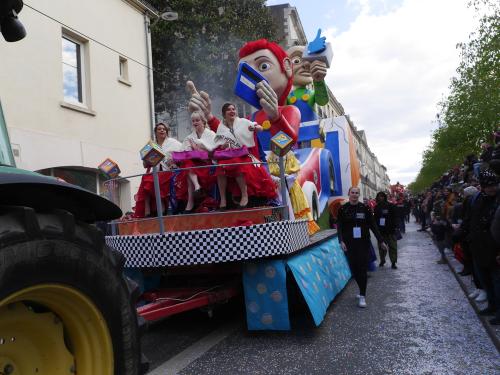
{"x":212,"y":245}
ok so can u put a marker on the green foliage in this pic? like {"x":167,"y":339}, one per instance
{"x":202,"y":46}
{"x":471,"y":112}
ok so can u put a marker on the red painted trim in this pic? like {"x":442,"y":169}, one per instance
{"x":159,"y":309}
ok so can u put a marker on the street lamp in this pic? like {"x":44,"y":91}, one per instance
{"x":166,"y":15}
{"x":169,"y":15}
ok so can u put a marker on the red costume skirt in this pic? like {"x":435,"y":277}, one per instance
{"x":147,"y":192}
{"x":206,"y":177}
{"x":258,"y":180}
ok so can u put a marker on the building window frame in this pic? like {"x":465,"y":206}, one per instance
{"x":123,"y":76}
{"x":82,"y":103}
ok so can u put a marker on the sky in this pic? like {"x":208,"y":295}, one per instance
{"x":392,"y":64}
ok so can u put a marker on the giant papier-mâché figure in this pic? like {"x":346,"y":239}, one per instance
{"x":272,"y":62}
{"x":306,"y":73}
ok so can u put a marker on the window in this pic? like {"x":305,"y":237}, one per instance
{"x":72,"y":71}
{"x":123,"y":68}
{"x":93,"y":180}
{"x":86,"y":179}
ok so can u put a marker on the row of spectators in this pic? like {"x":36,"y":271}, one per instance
{"x":462,"y":209}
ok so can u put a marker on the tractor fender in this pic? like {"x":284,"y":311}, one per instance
{"x":29,"y":189}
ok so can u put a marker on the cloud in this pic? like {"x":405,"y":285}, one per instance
{"x":392,"y":67}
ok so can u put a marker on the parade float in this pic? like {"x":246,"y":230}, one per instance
{"x":199,"y":260}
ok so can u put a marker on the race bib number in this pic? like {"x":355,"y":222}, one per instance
{"x":382,"y":222}
{"x":356,"y":232}
{"x":360,"y":215}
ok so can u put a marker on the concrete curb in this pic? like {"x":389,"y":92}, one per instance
{"x":484,"y":320}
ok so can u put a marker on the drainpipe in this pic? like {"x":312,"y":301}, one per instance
{"x":156,"y":182}
{"x":147,"y":33}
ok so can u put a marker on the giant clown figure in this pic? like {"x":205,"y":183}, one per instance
{"x":272,"y":62}
{"x":306,"y":73}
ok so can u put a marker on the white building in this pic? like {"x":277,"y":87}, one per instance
{"x":374,"y":176}
{"x":77,"y":89}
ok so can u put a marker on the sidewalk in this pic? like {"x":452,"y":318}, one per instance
{"x":418,"y":321}
{"x":468,"y":287}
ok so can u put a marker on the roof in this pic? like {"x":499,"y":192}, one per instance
{"x":362,"y":135}
{"x":143,"y":5}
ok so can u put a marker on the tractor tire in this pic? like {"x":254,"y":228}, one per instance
{"x":65,"y":306}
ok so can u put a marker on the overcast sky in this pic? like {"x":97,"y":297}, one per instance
{"x":393,"y":61}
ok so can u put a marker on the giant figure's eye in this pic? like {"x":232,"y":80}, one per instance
{"x":296,"y":60}
{"x":264,"y":66}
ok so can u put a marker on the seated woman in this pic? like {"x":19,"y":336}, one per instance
{"x":236,"y":138}
{"x":145,"y":197}
{"x":199,"y":180}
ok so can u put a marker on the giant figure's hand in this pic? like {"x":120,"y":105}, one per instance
{"x":268,"y":100}
{"x":318,"y":70}
{"x":318,"y":44}
{"x":200,"y":101}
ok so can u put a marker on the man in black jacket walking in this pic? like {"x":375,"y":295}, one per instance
{"x":387,"y":220}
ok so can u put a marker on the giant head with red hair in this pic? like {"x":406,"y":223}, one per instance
{"x":270,"y":60}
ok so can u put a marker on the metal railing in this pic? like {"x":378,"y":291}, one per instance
{"x":113,"y":184}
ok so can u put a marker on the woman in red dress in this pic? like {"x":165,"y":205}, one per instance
{"x":145,"y":197}
{"x":235,"y":142}
{"x":196,"y":145}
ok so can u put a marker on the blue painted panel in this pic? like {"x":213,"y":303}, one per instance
{"x":266,"y":298}
{"x":332,"y":144}
{"x":264,"y":140}
{"x":302,"y":154}
{"x":321,"y":273}
{"x":324,"y":158}
{"x":308,"y":133}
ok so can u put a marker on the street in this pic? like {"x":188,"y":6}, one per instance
{"x":418,"y":321}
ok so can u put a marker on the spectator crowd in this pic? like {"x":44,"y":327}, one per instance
{"x":462,"y":211}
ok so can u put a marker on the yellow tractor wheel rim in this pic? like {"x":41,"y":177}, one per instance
{"x":53,"y":329}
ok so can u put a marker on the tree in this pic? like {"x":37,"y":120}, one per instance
{"x":202,"y":46}
{"x":471,"y":112}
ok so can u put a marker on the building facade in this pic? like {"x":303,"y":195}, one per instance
{"x":289,"y":28}
{"x":77,"y":90}
{"x":374,"y":176}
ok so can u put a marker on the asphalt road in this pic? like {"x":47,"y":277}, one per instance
{"x":418,"y":321}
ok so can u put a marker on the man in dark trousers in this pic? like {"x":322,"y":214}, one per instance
{"x":485,"y":250}
{"x":386,"y":220}
{"x":355,"y":220}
